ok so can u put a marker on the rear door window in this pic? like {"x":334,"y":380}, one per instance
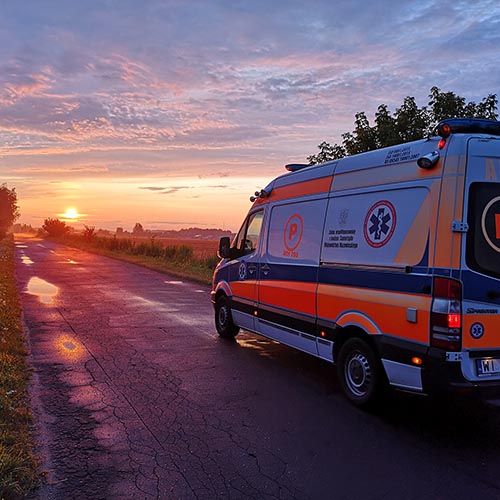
{"x":483,"y":236}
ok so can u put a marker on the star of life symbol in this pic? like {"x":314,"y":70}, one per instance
{"x":380,"y":223}
{"x":477,"y":330}
{"x":242,"y":271}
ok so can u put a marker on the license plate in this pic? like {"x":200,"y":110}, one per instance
{"x":488,"y":367}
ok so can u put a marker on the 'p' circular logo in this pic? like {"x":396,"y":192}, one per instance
{"x":490,"y":223}
{"x":292,"y":235}
{"x":380,"y":223}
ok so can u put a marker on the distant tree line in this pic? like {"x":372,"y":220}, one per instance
{"x":407,"y":123}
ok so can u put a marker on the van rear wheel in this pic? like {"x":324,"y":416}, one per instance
{"x":224,"y":320}
{"x":360,"y":373}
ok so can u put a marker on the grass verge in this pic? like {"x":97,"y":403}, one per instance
{"x":177,"y":260}
{"x":18,"y":464}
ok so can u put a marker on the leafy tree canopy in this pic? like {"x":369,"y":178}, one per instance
{"x":9,"y":211}
{"x":407,"y":123}
{"x":55,"y":227}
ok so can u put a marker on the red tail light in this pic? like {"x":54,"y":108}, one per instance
{"x":446,"y":314}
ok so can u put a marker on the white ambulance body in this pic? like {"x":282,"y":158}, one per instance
{"x":385,"y":263}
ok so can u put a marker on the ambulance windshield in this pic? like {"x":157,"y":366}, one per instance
{"x":483,"y":236}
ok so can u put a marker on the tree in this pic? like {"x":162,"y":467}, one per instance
{"x":55,"y":227}
{"x":408,"y":123}
{"x":138,"y":229}
{"x":9,"y":211}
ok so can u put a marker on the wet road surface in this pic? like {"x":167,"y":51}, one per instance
{"x":137,"y":398}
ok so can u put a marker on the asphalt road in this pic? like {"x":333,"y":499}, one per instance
{"x":137,"y":398}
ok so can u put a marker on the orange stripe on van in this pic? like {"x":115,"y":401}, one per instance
{"x":306,"y":188}
{"x":386,"y":310}
{"x":490,"y":338}
{"x":294,"y":296}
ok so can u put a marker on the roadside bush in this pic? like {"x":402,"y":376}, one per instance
{"x":55,"y":227}
{"x":211,"y":261}
{"x":89,"y":233}
{"x":178,"y":253}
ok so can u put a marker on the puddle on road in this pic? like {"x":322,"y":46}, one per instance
{"x":26,"y":260}
{"x":18,"y":245}
{"x":70,"y":348}
{"x":174,"y":282}
{"x":43,"y":289}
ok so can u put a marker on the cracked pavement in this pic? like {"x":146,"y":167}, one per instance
{"x":136,"y":397}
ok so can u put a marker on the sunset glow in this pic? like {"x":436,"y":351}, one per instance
{"x":132,"y":116}
{"x":71,"y":213}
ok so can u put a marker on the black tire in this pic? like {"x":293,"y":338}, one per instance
{"x":361,"y":374}
{"x":224,"y":319}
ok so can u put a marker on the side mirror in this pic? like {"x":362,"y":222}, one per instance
{"x":224,"y":248}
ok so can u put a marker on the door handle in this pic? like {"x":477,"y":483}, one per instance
{"x":252,"y":268}
{"x":265,"y":269}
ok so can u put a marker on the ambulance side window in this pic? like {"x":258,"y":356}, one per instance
{"x":248,"y":237}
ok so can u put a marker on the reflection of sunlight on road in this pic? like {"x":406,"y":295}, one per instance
{"x":261,"y":345}
{"x":44,"y":290}
{"x":69,"y":348}
{"x":26,"y":260}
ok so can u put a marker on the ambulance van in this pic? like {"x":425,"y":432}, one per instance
{"x":386,"y":264}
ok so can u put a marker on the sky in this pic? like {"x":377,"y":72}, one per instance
{"x":172,"y":113}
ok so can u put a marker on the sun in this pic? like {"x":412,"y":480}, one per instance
{"x":71,"y":213}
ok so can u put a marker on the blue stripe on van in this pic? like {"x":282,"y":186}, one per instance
{"x":395,"y":281}
{"x":480,"y":288}
{"x":378,"y":280}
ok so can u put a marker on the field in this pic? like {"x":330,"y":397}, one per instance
{"x":201,"y":248}
{"x":193,"y":259}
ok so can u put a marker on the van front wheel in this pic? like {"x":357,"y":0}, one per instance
{"x":224,"y":320}
{"x":360,"y":373}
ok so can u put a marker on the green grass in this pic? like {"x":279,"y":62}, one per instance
{"x":18,"y":463}
{"x":177,"y":260}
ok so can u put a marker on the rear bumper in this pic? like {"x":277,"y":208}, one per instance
{"x":436,"y":374}
{"x":440,"y":375}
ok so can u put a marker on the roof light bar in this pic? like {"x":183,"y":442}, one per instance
{"x":467,"y":125}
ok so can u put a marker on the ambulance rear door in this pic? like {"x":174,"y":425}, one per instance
{"x":481,"y":261}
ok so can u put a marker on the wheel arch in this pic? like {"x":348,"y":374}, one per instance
{"x":354,"y":331}
{"x":222,"y":288}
